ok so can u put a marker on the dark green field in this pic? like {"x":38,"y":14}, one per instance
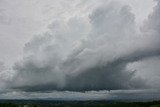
{"x":49,"y":103}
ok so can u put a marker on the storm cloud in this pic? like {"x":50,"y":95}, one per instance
{"x":87,"y":54}
{"x":101,"y":49}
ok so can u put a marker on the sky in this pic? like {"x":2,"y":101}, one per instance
{"x":78,"y":49}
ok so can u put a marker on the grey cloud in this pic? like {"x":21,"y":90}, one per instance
{"x":136,"y":95}
{"x":148,"y":68}
{"x":153,"y":22}
{"x":112,"y":76}
{"x":127,"y":95}
{"x":152,"y":25}
{"x":71,"y":56}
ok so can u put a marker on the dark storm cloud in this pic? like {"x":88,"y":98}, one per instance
{"x":89,"y":54}
{"x":112,"y":76}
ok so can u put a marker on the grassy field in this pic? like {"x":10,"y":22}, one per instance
{"x":44,"y":103}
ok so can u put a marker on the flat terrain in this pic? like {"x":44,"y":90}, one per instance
{"x":51,"y":103}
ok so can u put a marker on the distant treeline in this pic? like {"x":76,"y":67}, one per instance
{"x":43,"y":103}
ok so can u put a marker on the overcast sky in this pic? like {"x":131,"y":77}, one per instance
{"x":80,"y":49}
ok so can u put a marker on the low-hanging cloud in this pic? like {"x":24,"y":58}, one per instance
{"x":89,"y":53}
